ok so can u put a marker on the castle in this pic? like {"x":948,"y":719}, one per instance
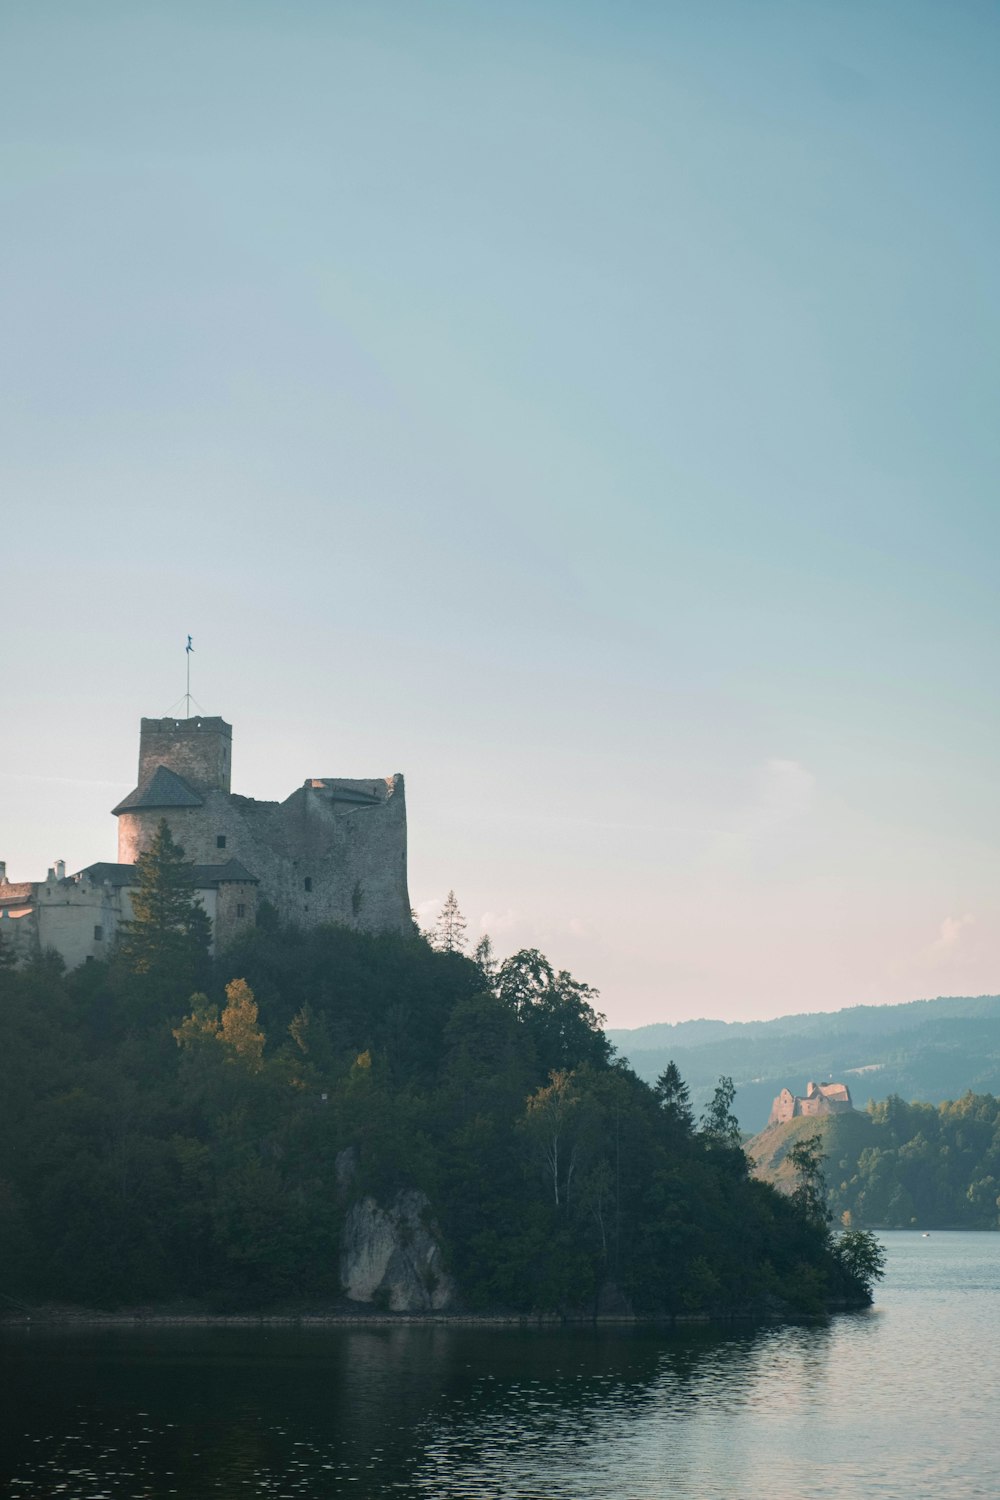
{"x":333,"y":851}
{"x":820,"y":1099}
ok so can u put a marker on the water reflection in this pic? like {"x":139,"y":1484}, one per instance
{"x":891,"y":1403}
{"x":387,"y":1409}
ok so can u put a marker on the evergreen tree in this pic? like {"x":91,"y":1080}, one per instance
{"x":169,"y":935}
{"x":675,"y":1098}
{"x":449,"y":933}
{"x":484,"y":956}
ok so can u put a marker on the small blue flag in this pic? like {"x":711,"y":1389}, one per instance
{"x":189,"y":646}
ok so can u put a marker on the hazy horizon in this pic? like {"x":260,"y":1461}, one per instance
{"x":586,"y":410}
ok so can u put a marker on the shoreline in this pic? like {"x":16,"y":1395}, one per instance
{"x":72,"y":1318}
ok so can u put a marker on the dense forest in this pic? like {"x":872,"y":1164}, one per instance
{"x":925,"y":1049}
{"x":171,"y":1128}
{"x":902,"y":1166}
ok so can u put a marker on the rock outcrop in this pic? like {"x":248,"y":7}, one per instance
{"x":392,"y":1258}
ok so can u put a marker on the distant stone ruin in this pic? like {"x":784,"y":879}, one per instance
{"x":820,"y":1099}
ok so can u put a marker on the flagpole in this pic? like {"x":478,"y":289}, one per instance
{"x":187,"y":696}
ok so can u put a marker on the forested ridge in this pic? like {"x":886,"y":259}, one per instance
{"x":171,"y":1127}
{"x":924,"y":1049}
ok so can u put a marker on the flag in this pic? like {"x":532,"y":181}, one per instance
{"x":189,"y":646}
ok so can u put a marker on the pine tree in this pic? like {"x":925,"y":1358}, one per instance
{"x":483,"y":954}
{"x":449,"y":932}
{"x":675,"y":1098}
{"x":169,"y":935}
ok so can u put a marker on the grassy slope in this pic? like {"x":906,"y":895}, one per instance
{"x":844,"y":1137}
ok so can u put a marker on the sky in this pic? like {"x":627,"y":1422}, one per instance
{"x":587,"y":409}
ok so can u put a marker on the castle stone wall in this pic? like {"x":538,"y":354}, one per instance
{"x":235,"y":911}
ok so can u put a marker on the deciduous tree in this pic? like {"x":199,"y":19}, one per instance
{"x":807,"y":1158}
{"x":718,"y":1124}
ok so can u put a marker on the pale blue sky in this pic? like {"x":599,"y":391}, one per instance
{"x":587,"y":409}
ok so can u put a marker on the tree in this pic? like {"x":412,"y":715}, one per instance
{"x":556,"y":1010}
{"x":718,"y":1123}
{"x":807,"y":1158}
{"x":675,"y":1099}
{"x":238,"y":1026}
{"x":236,"y":1030}
{"x":484,"y":956}
{"x":169,"y":935}
{"x":549,"y":1111}
{"x":449,"y":931}
{"x":524,"y":979}
{"x":862,"y":1257}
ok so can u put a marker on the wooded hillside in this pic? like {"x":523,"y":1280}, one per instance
{"x":170,"y":1128}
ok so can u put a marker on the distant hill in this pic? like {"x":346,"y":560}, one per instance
{"x":925,"y":1049}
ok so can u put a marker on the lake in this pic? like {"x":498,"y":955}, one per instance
{"x":897,"y":1401}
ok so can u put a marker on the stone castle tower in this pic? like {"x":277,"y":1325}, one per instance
{"x":333,"y":851}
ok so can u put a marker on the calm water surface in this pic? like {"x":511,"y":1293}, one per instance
{"x":901,"y":1401}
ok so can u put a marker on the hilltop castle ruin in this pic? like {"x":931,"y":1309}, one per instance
{"x":820,"y":1099}
{"x":333,"y":851}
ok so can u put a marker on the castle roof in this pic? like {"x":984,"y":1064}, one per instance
{"x":202,"y":876}
{"x":163,"y":789}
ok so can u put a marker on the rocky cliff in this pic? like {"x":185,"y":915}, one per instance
{"x":391,"y":1257}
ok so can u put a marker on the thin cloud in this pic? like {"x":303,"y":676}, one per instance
{"x":499,"y":921}
{"x":951,"y":932}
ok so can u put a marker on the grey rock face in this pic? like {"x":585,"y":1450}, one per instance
{"x":391,"y":1256}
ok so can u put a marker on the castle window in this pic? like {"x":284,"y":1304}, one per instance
{"x":308,"y":883}
{"x":241,"y":910}
{"x":98,"y":934}
{"x":220,"y":841}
